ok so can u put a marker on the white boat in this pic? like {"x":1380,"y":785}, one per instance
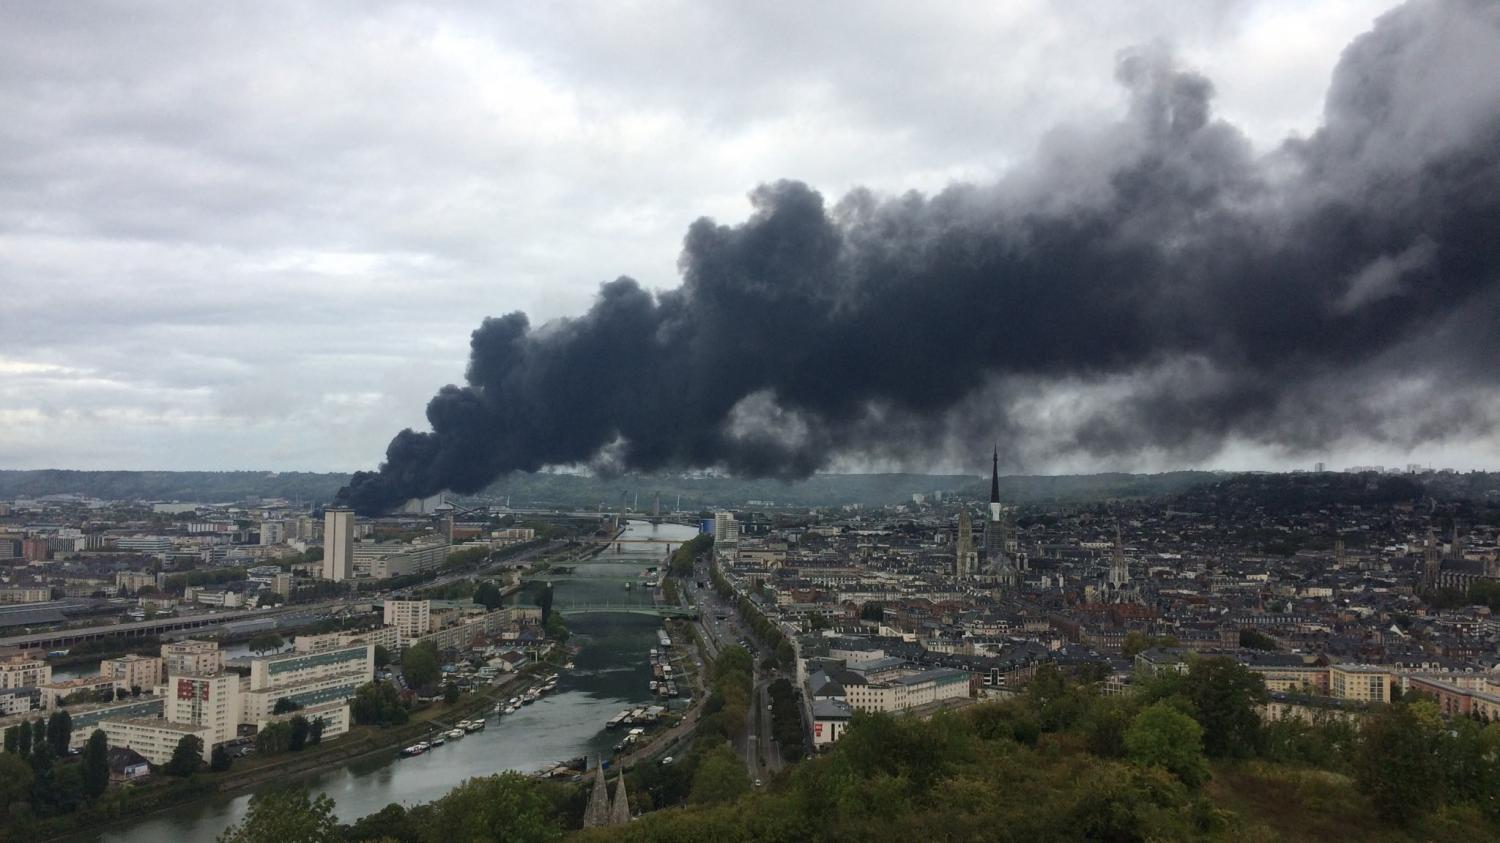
{"x":437,"y":741}
{"x":454,"y":734}
{"x":511,"y":710}
{"x":475,"y":726}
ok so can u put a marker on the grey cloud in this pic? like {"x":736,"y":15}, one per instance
{"x":818,"y":322}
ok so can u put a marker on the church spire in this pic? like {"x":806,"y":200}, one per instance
{"x":619,"y":812}
{"x":597,"y":812}
{"x":995,"y":476}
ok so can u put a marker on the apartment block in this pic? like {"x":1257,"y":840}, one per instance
{"x":87,"y":718}
{"x":155,"y":740}
{"x":411,"y":618}
{"x":199,"y":658}
{"x":133,"y":671}
{"x":1360,"y":683}
{"x":20,"y":669}
{"x":209,"y":701}
{"x":25,"y":594}
{"x":56,"y":691}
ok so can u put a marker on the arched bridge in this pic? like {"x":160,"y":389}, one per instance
{"x":627,"y":609}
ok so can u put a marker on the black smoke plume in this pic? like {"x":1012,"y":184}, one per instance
{"x":1150,"y":286}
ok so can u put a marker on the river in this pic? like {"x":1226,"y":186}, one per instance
{"x":610,"y":673}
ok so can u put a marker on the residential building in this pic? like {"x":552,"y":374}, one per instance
{"x":726,"y":529}
{"x":1361,"y":683}
{"x":134,"y":580}
{"x":309,"y":679}
{"x":208,"y":700}
{"x":133,"y":671}
{"x":25,"y":594}
{"x":198,"y":658}
{"x":98,"y":686}
{"x":20,"y":669}
{"x":383,"y":560}
{"x":87,"y":717}
{"x":904,"y":692}
{"x":154,"y":739}
{"x":338,"y":543}
{"x":411,"y":618}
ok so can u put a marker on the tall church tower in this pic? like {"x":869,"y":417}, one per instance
{"x":1432,"y":561}
{"x":965,"y":559}
{"x":1119,"y":569}
{"x":995,"y":539}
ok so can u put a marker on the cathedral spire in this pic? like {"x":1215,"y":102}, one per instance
{"x":995,"y":476}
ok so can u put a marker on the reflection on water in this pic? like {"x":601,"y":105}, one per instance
{"x":611,"y":673}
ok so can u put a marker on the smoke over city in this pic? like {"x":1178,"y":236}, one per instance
{"x":1152,"y":285}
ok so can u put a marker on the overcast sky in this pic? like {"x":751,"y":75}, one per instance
{"x":258,"y":235}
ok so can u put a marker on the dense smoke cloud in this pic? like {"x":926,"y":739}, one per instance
{"x":1151,"y":284}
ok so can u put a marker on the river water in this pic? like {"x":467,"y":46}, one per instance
{"x":610,"y":673}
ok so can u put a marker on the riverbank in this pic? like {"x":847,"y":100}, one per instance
{"x":253,"y":772}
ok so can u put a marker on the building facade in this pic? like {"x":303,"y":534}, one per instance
{"x":338,"y":543}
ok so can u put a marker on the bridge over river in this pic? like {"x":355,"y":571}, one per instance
{"x":627,"y":609}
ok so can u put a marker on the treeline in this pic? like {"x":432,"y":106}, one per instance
{"x":786,"y":718}
{"x":686,"y":555}
{"x":1186,"y":758}
{"x":211,"y":576}
{"x":782,"y":651}
{"x":731,"y":678}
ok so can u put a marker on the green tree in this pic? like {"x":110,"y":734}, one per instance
{"x":187,"y":757}
{"x":95,"y":764}
{"x":315,"y":731}
{"x":274,"y":739}
{"x":382,"y":656}
{"x":23,"y":739}
{"x":266,"y":642}
{"x":12,"y":739}
{"x":1222,"y":695}
{"x":297,"y":738}
{"x":720,"y":777}
{"x":1137,"y":641}
{"x":508,"y":807}
{"x":286,"y":815}
{"x":419,"y":664}
{"x":1398,"y":764}
{"x":488,"y":595}
{"x":556,"y":629}
{"x":60,"y":732}
{"x":450,"y":693}
{"x":377,"y":704}
{"x":1162,"y":736}
{"x":15,"y":779}
{"x":286,"y":705}
{"x":219,"y":760}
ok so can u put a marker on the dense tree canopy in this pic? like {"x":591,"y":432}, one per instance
{"x":420,"y":665}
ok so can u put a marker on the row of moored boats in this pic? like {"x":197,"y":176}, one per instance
{"x":468,"y":727}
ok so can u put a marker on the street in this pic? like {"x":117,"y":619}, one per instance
{"x":757,"y":747}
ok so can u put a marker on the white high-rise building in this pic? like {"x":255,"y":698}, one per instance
{"x":211,"y":701}
{"x":338,"y":543}
{"x":411,"y":618}
{"x":272,"y":532}
{"x":726,"y":529}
